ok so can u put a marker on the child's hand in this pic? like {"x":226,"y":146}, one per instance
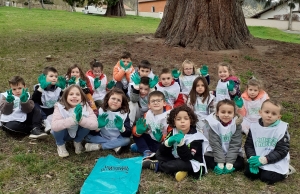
{"x":72,"y":80}
{"x":127,"y":68}
{"x":136,"y":79}
{"x":204,"y":70}
{"x":97,"y":83}
{"x":230,"y":85}
{"x":175,"y":73}
{"x":24,"y":96}
{"x":102,"y":120}
{"x":42,"y":80}
{"x":119,"y":123}
{"x":82,"y":83}
{"x":141,"y":126}
{"x":257,"y":161}
{"x":111,"y":84}
{"x":78,"y":112}
{"x":61,"y":82}
{"x":10,"y":98}
{"x":175,"y":138}
{"x":253,"y":170}
{"x":157,"y":134}
{"x":122,"y":65}
{"x":219,"y":169}
{"x":153,"y":82}
{"x":228,"y":168}
{"x":238,"y":102}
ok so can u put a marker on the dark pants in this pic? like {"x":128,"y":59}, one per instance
{"x":34,"y":119}
{"x":120,"y":85}
{"x":238,"y":164}
{"x":269,"y":177}
{"x":145,"y":142}
{"x":45,"y":112}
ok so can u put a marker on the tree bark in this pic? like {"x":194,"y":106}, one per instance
{"x":42,"y":3}
{"x":116,"y":10}
{"x":290,"y":19}
{"x":204,"y":24}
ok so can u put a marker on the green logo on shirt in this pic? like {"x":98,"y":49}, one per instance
{"x":221,"y":91}
{"x":226,"y":138}
{"x":265,"y":142}
{"x":254,"y":111}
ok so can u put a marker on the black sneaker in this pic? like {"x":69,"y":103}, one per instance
{"x":150,"y":164}
{"x":37,"y":133}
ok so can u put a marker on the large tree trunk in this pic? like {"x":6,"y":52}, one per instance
{"x":42,"y":3}
{"x":116,"y":10}
{"x":204,"y":24}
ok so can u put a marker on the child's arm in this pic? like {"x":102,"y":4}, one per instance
{"x":37,"y":95}
{"x":179,"y":101}
{"x":59,"y":123}
{"x":249,"y":146}
{"x":215,"y":143}
{"x":235,"y":145}
{"x":236,"y":90}
{"x":89,"y":122}
{"x":134,"y":94}
{"x":27,"y":107}
{"x":211,"y":107}
{"x":5,"y":107}
{"x":242,"y":111}
{"x":196,"y":148}
{"x":184,"y":153}
{"x":128,"y":73}
{"x":89,"y":85}
{"x":118,"y":73}
{"x":127,"y":132}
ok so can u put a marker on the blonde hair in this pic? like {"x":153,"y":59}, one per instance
{"x":225,"y":64}
{"x":254,"y":82}
{"x":274,"y":102}
{"x":187,"y":62}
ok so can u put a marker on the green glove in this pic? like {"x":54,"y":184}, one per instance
{"x":72,"y":81}
{"x":111,"y":84}
{"x":157,"y":134}
{"x":61,"y":82}
{"x":128,"y":66}
{"x":122,"y":65}
{"x":204,"y":70}
{"x":153,"y":82}
{"x":97,"y":83}
{"x":253,"y":170}
{"x":42,"y":80}
{"x":82,"y":83}
{"x":24,"y":96}
{"x":230,"y":85}
{"x":175,"y":138}
{"x":136,"y":78}
{"x":102,"y":120}
{"x":228,"y":168}
{"x":175,"y":73}
{"x":141,"y":126}
{"x":118,"y":122}
{"x":78,"y":112}
{"x":238,"y":101}
{"x":219,"y":168}
{"x":10,"y":98}
{"x":254,"y":161}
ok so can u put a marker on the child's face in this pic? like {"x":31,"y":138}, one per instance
{"x":188,"y":69}
{"x":97,"y":71}
{"x":75,"y":73}
{"x":144,"y":90}
{"x":156,"y":103}
{"x":252,"y":91}
{"x":126,"y":61}
{"x":166,"y":79}
{"x":115,"y":102}
{"x":223,"y":72}
{"x":51,"y":77}
{"x":183,"y":122}
{"x":144,"y":72}
{"x":17,"y":89}
{"x":226,"y":113}
{"x":74,"y":97}
{"x":200,"y":88}
{"x":269,"y":113}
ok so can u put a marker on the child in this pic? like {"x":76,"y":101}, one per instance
{"x":47,"y":93}
{"x":201,"y":102}
{"x":267,"y":145}
{"x":228,"y":86}
{"x":122,"y":72}
{"x":113,"y":122}
{"x":18,"y":113}
{"x":152,"y":130}
{"x":72,"y":120}
{"x":252,"y":100}
{"x":76,"y":76}
{"x":182,"y":151}
{"x":225,"y":139}
{"x":170,"y":88}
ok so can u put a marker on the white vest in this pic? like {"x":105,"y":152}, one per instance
{"x":17,"y":114}
{"x":110,"y":131}
{"x":252,"y":107}
{"x":265,"y":140}
{"x":171,"y":92}
{"x":222,"y":91}
{"x":100,"y":92}
{"x":186,"y":83}
{"x":49,"y":98}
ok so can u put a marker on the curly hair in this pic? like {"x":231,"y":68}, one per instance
{"x":124,"y":106}
{"x":171,"y":118}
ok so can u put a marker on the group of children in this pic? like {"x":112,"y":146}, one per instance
{"x":177,"y":124}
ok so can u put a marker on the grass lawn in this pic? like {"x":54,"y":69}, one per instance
{"x":28,"y":36}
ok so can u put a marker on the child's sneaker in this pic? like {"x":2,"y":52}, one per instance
{"x":47,"y":126}
{"x":150,"y":164}
{"x":133,"y":148}
{"x":78,"y":147}
{"x":118,"y":150}
{"x":62,"y":151}
{"x":92,"y":147}
{"x":148,"y":154}
{"x":292,"y":170}
{"x":180,"y":175}
{"x":37,"y":133}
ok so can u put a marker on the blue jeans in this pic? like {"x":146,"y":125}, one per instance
{"x":145,"y":142}
{"x":108,"y":143}
{"x":62,"y":136}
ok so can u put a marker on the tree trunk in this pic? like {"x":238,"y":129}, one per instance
{"x":73,"y":7}
{"x":116,"y":10}
{"x":204,"y":24}
{"x":29,"y":4}
{"x":290,"y":19}
{"x":42,"y":3}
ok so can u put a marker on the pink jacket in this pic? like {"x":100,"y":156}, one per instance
{"x":59,"y":123}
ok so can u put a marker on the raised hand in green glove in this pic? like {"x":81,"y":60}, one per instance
{"x":230,"y":85}
{"x":141,"y":126}
{"x":128,"y":66}
{"x":24,"y":96}
{"x":228,"y":168}
{"x":122,"y":65}
{"x":42,"y":80}
{"x":82,"y":83}
{"x":10,"y":98}
{"x":219,"y":168}
{"x":153,"y":82}
{"x":78,"y":112}
{"x":175,"y":138}
{"x":118,"y":122}
{"x":102,"y":120}
{"x":253,"y":170}
{"x":136,"y":78}
{"x":72,"y":80}
{"x":157,"y":134}
{"x":175,"y":73}
{"x":97,"y":83}
{"x":61,"y":82}
{"x":204,"y":70}
{"x":111,"y":84}
{"x":238,"y":101}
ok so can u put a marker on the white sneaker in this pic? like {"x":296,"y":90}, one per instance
{"x":118,"y":150}
{"x":78,"y":147}
{"x":62,"y":151}
{"x":47,"y":126}
{"x":292,"y":170}
{"x":92,"y":147}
